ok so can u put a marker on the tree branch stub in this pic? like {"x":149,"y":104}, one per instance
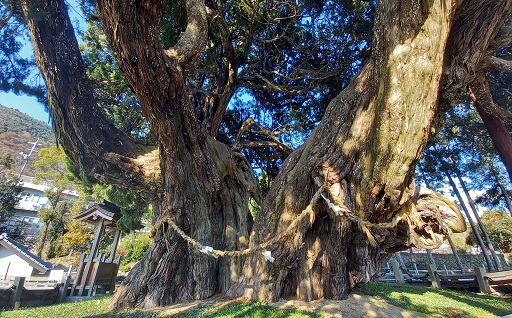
{"x":191,"y":43}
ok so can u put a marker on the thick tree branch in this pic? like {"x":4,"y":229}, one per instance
{"x":503,"y":38}
{"x":284,"y":150}
{"x":258,"y":81}
{"x":134,"y":34}
{"x":190,"y":46}
{"x":501,"y":64}
{"x":481,"y":92}
{"x":497,"y":131}
{"x":230,"y":83}
{"x":103,"y":151}
{"x":274,"y":142}
{"x":473,"y":37}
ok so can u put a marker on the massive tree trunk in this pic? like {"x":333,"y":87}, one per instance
{"x":360,"y":159}
{"x":342,"y":202}
{"x":192,"y":180}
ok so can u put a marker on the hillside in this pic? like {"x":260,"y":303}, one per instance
{"x":17,"y":130}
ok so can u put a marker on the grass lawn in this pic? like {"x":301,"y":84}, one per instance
{"x":433,"y":302}
{"x":443,"y":302}
{"x":97,"y":308}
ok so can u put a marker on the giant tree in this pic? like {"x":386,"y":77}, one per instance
{"x":341,"y":203}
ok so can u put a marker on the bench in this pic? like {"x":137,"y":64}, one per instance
{"x":499,"y":278}
{"x":486,"y":281}
{"x":451,"y":280}
{"x":458,"y":280}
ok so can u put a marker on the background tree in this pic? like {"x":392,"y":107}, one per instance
{"x":458,"y":146}
{"x":16,"y":70}
{"x":9,"y":189}
{"x":340,"y":204}
{"x":52,"y":170}
{"x":55,"y":220}
{"x":132,"y":249}
{"x":134,"y":209}
{"x":76,"y":237}
{"x":498,"y":225}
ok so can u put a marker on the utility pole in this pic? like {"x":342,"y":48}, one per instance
{"x":27,"y":156}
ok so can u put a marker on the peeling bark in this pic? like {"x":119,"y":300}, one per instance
{"x":371,"y":136}
{"x":349,"y":190}
{"x":187,"y":51}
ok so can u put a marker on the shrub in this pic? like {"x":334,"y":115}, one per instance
{"x":133,"y":247}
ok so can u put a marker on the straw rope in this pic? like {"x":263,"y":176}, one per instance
{"x":336,"y":207}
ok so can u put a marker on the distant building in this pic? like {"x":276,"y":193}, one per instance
{"x":17,"y":260}
{"x":25,"y":223}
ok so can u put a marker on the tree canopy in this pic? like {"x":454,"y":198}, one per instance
{"x":380,"y":76}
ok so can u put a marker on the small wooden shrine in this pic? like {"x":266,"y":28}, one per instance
{"x":97,"y":273}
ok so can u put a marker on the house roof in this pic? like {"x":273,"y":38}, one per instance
{"x":102,"y":210}
{"x":22,"y":251}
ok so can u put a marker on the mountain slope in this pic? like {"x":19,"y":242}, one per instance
{"x":17,"y":131}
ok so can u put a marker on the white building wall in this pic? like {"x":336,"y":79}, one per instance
{"x":13,"y":264}
{"x":32,"y":199}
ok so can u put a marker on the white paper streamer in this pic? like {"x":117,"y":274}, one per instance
{"x":268,"y":256}
{"x":208,"y":251}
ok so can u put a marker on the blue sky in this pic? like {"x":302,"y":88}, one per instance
{"x":25,"y":104}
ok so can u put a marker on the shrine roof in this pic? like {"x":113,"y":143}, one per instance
{"x":103,"y":210}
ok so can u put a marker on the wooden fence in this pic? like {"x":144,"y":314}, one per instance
{"x":478,"y":278}
{"x":34,"y":293}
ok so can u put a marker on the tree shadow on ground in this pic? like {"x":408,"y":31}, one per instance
{"x":255,"y":310}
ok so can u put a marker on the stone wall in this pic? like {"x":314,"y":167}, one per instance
{"x":469,"y":261}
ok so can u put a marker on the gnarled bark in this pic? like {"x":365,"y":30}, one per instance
{"x":342,"y":202}
{"x":371,"y":136}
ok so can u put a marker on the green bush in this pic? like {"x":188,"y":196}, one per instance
{"x":132,"y":248}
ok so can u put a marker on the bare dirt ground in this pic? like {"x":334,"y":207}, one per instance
{"x":355,"y":306}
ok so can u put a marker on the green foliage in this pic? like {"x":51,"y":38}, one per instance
{"x":6,"y":160}
{"x":55,"y":220}
{"x":77,"y":236}
{"x":132,"y":248}
{"x":116,"y":99}
{"x":98,"y":307}
{"x":255,"y":310}
{"x":499,"y":227}
{"x":9,"y":191}
{"x":291,"y":59}
{"x":464,"y":139}
{"x":52,"y":169}
{"x":46,"y":214}
{"x":87,"y":308}
{"x":16,"y":70}
{"x":133,"y":208}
